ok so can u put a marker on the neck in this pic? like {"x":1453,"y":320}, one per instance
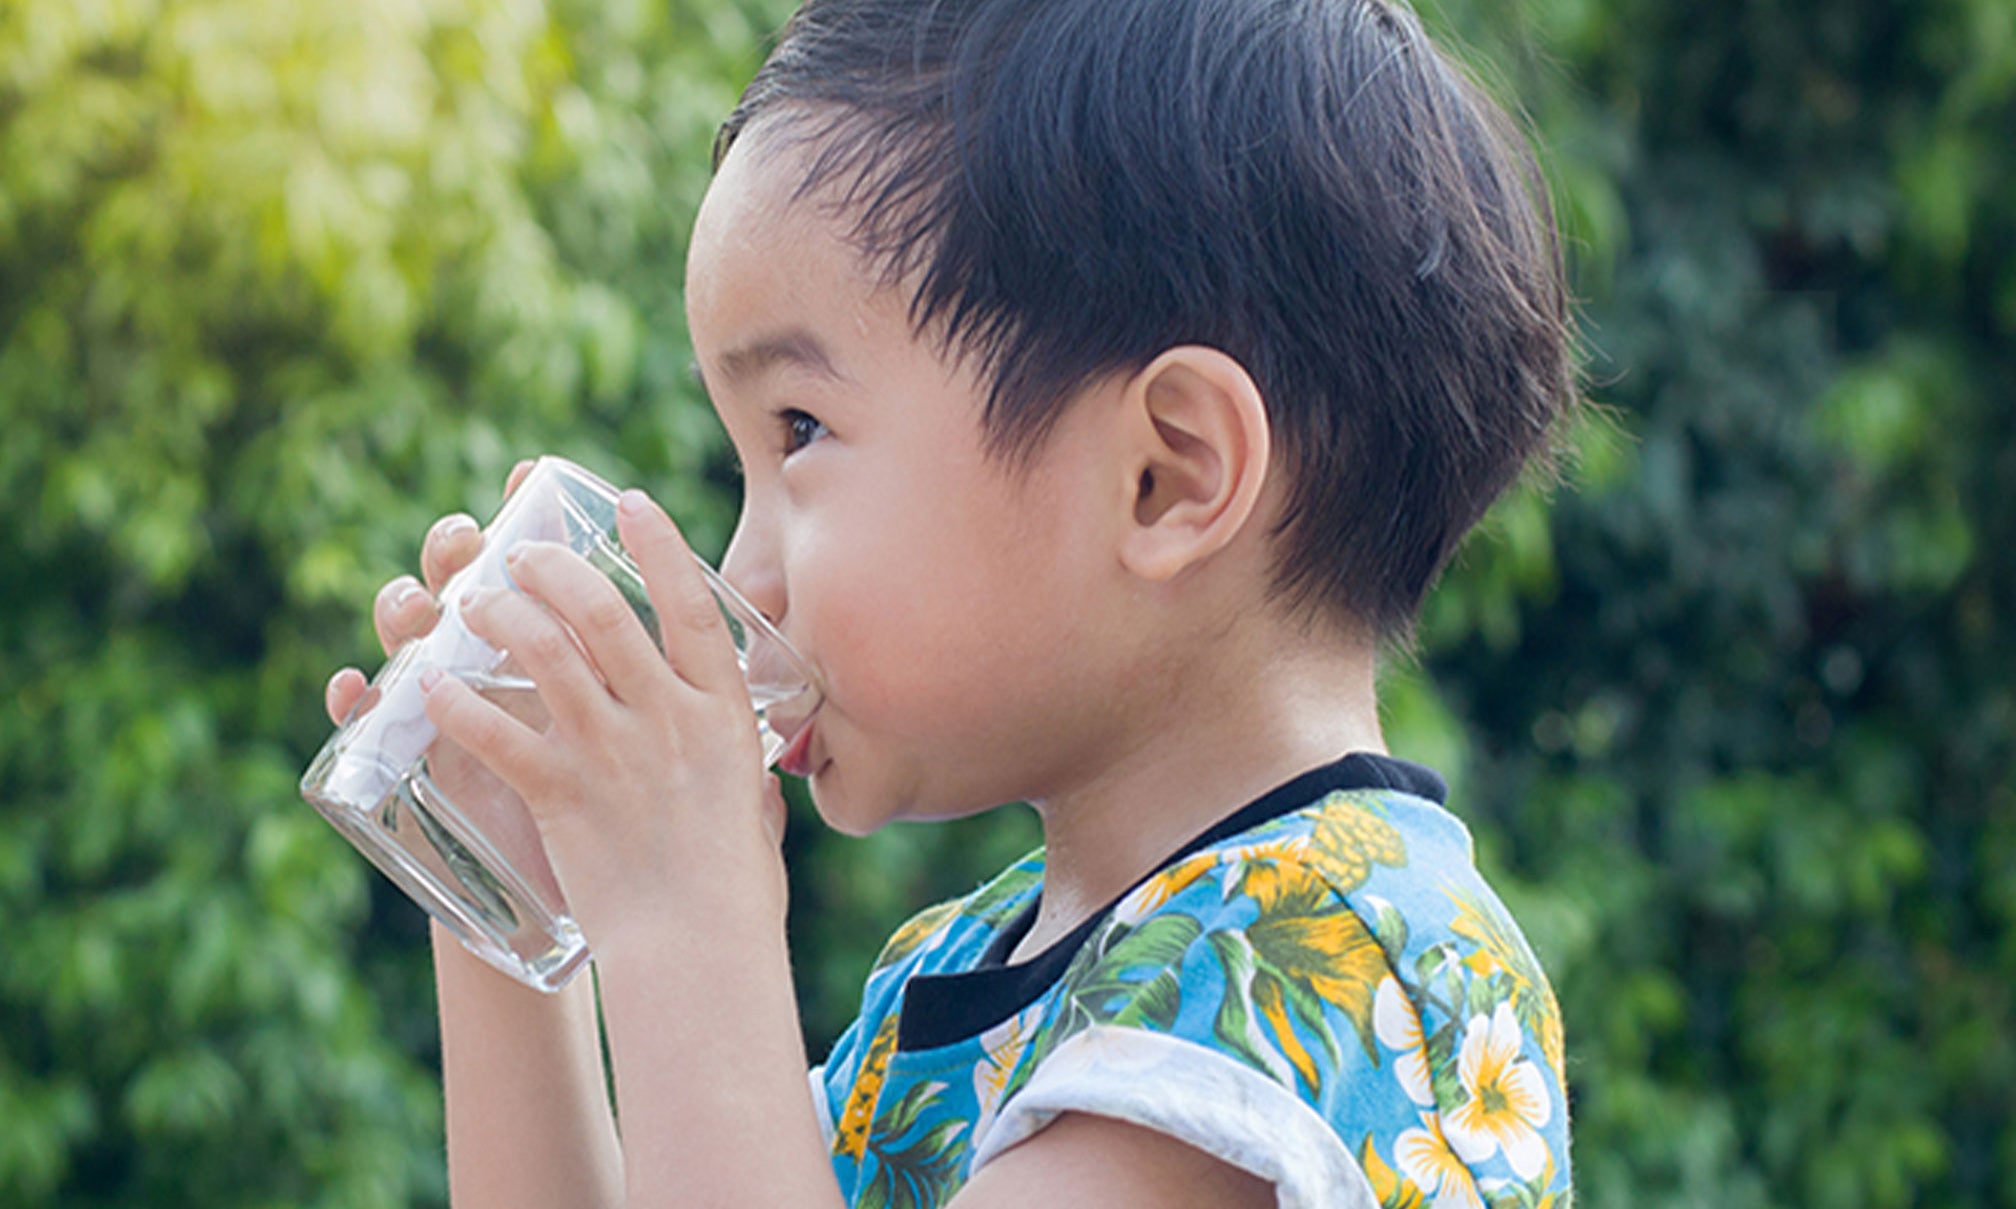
{"x":1206,"y":753}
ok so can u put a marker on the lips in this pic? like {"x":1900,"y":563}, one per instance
{"x":797,"y":756}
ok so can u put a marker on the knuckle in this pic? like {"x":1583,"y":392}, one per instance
{"x":697,"y":608}
{"x":607,"y":613}
{"x":547,"y":644}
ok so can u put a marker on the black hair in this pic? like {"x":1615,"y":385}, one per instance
{"x":1309,"y":186}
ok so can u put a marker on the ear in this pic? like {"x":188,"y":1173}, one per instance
{"x":1199,"y":445}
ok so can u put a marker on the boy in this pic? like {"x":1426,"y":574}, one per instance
{"x":1111,"y":378}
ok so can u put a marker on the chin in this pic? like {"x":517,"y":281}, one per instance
{"x":857,"y":810}
{"x":842,"y":811}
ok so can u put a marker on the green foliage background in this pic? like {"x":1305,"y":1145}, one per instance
{"x":1731,"y":715}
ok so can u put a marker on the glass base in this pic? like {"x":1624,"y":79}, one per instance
{"x":419,"y":840}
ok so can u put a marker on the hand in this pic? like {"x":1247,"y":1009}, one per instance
{"x":406,"y":611}
{"x":646,"y":784}
{"x":404,"y":608}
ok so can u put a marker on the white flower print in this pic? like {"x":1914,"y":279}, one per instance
{"x":1398,"y":1027}
{"x":1426,"y":1158}
{"x":1003,"y":1047}
{"x":1508,"y":1100}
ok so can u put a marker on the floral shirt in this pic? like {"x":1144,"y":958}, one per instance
{"x":1321,"y":991}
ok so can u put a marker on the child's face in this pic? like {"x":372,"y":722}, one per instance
{"x":960,"y":614}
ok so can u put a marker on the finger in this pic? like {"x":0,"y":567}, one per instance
{"x":567,"y":682}
{"x":451,"y":545}
{"x":776,"y":813}
{"x":402,"y":612}
{"x":696,"y":638}
{"x":516,"y":476}
{"x":602,"y":620}
{"x":341,"y":695}
{"x":498,"y":741}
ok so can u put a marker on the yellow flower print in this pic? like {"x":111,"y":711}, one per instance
{"x":1501,"y":948}
{"x":1331,"y":953}
{"x":1425,"y":1157}
{"x":1393,"y":1190}
{"x":1398,"y":1025}
{"x":1324,"y":946}
{"x":1305,"y":950}
{"x":1150,"y":896}
{"x":1272,"y":1002}
{"x":1349,"y":838}
{"x":851,"y":1138}
{"x":1508,"y":1098}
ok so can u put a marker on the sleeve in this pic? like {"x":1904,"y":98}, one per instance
{"x":822,"y":1104}
{"x":1239,"y":1003}
{"x":1196,"y":1095}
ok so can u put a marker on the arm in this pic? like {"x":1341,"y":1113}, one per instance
{"x":710,"y":1069}
{"x":648,"y":790}
{"x":528,"y":1113}
{"x":1086,"y":1160}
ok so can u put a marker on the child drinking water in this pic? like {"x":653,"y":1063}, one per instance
{"x":1111,"y":379}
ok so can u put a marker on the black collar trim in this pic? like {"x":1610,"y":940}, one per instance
{"x":941,"y":1009}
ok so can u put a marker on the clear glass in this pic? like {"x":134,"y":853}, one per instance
{"x":444,"y":829}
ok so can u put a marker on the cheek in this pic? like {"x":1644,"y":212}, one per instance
{"x":905,"y":651}
{"x":924,"y":621}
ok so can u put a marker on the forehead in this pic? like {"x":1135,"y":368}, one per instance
{"x":781,"y":303}
{"x":758,"y":242}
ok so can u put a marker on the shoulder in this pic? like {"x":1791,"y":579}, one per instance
{"x":1335,"y":992}
{"x":1263,"y":946}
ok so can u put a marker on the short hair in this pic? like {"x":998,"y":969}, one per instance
{"x":1310,"y":186}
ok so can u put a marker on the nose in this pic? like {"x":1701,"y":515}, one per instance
{"x":752,"y":565}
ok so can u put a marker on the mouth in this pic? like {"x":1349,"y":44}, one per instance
{"x":796,"y":759}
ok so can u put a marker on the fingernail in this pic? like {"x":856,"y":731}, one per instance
{"x":516,"y":552}
{"x":429,"y":678}
{"x":634,"y":502}
{"x":404,"y":596}
{"x":456,"y":525}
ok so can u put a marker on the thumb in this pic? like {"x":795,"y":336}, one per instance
{"x":775,"y":811}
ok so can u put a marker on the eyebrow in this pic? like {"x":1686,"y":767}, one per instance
{"x":796,"y":348}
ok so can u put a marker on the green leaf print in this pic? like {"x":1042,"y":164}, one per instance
{"x":1155,"y":1005}
{"x":1125,"y":959}
{"x":1307,"y":1007}
{"x":902,"y":1116}
{"x":994,"y":902}
{"x":1390,"y":928}
{"x":1238,"y":1024}
{"x":1125,"y":976}
{"x":920,"y":1172}
{"x":1530,"y":1195}
{"x":1443,"y":1077}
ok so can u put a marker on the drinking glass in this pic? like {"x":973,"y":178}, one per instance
{"x":445,"y":829}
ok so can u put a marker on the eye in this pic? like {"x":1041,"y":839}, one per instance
{"x":800,"y":429}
